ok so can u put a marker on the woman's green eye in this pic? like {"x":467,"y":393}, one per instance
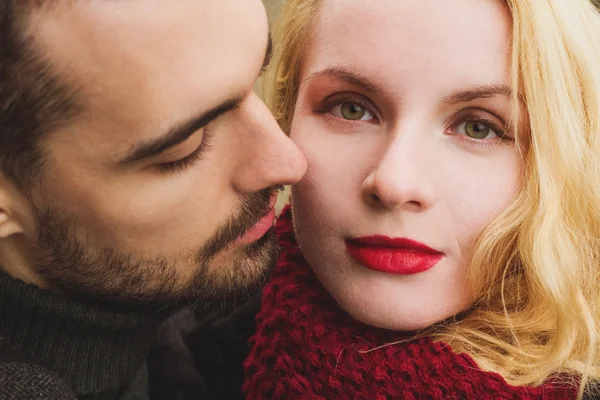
{"x":477,"y":130}
{"x":351,"y":112}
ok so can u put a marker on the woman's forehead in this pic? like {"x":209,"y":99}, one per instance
{"x":467,"y":41}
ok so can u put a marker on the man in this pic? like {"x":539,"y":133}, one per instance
{"x":137,"y":176}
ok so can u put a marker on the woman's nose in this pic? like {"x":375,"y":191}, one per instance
{"x":400,"y":179}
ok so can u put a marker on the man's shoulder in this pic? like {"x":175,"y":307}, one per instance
{"x":22,"y":379}
{"x":200,"y":355}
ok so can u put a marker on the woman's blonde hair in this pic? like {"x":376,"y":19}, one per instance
{"x":535,"y":269}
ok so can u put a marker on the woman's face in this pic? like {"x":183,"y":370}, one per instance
{"x":403,"y":113}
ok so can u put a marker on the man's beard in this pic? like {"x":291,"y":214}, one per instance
{"x":109,"y":277}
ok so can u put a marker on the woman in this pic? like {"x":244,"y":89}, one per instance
{"x":449,"y":222}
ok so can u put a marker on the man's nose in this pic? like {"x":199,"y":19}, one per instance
{"x":268,"y":157}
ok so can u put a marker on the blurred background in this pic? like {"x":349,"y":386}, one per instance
{"x":273,"y":8}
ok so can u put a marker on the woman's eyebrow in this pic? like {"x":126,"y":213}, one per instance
{"x":478,"y":92}
{"x":348,"y":76}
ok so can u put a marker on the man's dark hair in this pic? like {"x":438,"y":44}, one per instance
{"x":34,"y":100}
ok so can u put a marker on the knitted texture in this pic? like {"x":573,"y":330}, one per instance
{"x":23,"y":380}
{"x":306,"y":347}
{"x":98,"y":353}
{"x":19,"y":381}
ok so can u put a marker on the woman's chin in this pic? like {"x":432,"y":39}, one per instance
{"x":396,"y":322}
{"x":397,"y":317}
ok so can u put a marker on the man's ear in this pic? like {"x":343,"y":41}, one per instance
{"x":8,"y":225}
{"x":17,"y":227}
{"x":14,"y":209}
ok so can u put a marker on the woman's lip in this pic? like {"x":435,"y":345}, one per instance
{"x":393,"y":255}
{"x":396,"y":243}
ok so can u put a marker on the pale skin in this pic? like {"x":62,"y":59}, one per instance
{"x":382,"y":116}
{"x":143,"y":68}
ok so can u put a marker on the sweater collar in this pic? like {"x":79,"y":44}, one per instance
{"x":93,"y":349}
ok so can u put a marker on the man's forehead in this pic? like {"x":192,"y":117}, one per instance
{"x":103,"y":37}
{"x":152,"y":64}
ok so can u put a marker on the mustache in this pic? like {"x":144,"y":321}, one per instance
{"x":252,"y":210}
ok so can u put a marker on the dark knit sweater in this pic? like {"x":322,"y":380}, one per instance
{"x":55,"y":348}
{"x":307,"y":348}
{"x":21,"y":379}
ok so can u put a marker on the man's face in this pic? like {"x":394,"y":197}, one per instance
{"x":173,"y":157}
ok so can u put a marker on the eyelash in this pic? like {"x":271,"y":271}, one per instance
{"x":499,"y":130}
{"x":191,"y":159}
{"x":331,"y":103}
{"x":465,"y":117}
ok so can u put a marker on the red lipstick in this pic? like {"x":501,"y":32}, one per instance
{"x":393,"y":255}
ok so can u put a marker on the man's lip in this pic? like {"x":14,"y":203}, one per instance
{"x":262,"y":226}
{"x":393,"y":243}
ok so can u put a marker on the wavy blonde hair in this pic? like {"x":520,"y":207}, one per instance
{"x":535,"y":269}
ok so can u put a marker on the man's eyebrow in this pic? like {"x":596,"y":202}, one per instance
{"x":348,"y":76}
{"x":179,"y":133}
{"x":478,"y":92}
{"x":268,"y":53}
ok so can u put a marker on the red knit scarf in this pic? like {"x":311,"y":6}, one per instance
{"x":306,"y":347}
